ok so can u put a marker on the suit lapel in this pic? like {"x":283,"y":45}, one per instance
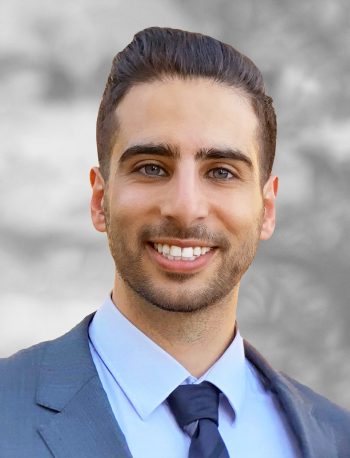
{"x":83,"y":423}
{"x":312,"y":437}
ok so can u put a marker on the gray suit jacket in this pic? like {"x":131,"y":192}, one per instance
{"x":52,"y":404}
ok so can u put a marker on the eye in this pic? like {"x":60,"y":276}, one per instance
{"x":152,"y":170}
{"x":221,"y":174}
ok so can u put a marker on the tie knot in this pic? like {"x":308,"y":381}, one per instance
{"x":189,"y":403}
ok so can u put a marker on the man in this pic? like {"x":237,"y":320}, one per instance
{"x":186,"y":141}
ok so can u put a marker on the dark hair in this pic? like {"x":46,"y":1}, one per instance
{"x":156,"y":53}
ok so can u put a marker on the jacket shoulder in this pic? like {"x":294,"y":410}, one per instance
{"x":32,"y":384}
{"x":26,"y":363}
{"x":333,"y":420}
{"x":19,"y":378}
{"x":321,"y":426}
{"x":321,"y":407}
{"x":21,"y":367}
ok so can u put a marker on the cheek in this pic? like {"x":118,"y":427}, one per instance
{"x":130,"y":204}
{"x":240,"y":212}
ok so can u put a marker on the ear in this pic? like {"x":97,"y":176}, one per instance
{"x":269,"y":197}
{"x":96,"y":205}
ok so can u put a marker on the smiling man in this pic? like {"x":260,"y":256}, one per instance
{"x":185,"y":191}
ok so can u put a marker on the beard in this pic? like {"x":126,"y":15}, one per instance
{"x":128,"y":252}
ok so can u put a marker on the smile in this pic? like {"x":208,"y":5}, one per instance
{"x":176,"y":253}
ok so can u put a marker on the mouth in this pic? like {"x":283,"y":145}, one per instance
{"x":178,"y":253}
{"x":182,"y":257}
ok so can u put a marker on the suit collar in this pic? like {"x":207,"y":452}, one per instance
{"x":312,"y":438}
{"x":65,"y":368}
{"x":84,"y":424}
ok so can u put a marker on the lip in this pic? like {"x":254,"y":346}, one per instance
{"x":180,"y":266}
{"x":182,"y":243}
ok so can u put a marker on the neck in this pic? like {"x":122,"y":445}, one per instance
{"x":196,"y":340}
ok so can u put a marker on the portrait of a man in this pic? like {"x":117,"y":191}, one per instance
{"x":185,"y":192}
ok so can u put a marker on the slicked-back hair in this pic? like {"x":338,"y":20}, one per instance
{"x":158,"y":53}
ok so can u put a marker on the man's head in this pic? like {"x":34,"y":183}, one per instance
{"x":156,"y":54}
{"x":183,"y":205}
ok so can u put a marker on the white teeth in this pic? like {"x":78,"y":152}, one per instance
{"x":175,"y":250}
{"x":197,"y":251}
{"x":176,"y":253}
{"x":187,"y":252}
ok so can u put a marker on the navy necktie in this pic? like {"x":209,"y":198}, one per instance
{"x":199,"y":403}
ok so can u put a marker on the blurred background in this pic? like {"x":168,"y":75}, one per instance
{"x":55,"y":269}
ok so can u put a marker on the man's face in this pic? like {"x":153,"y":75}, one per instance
{"x":184,"y":207}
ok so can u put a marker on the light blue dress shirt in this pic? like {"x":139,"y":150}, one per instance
{"x":138,"y":376}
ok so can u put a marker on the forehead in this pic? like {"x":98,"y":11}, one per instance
{"x":189,"y":114}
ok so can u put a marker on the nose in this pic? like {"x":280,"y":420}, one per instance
{"x":185,"y":199}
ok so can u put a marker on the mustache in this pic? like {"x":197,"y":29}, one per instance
{"x":171,"y":230}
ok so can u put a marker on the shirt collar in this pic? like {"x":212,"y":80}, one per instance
{"x":146,"y":373}
{"x":229,"y":374}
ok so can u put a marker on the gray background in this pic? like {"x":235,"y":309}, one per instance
{"x":55,"y":269}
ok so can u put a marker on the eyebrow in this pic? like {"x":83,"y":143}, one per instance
{"x":149,"y":149}
{"x":169,"y":151}
{"x":223,"y":153}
